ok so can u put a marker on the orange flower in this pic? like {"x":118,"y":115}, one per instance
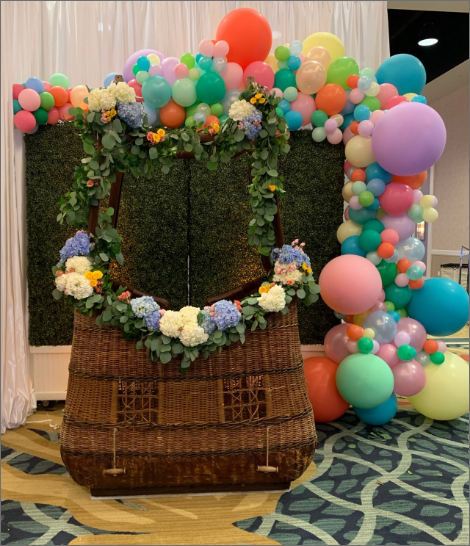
{"x":93,"y":282}
{"x":272,"y":187}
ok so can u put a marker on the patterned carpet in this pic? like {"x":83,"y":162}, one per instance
{"x":404,"y":483}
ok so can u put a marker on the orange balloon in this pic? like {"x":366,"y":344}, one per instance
{"x":349,"y":319}
{"x":431,"y":346}
{"x":354,"y":125}
{"x":465,"y":357}
{"x":331,"y":99}
{"x":403,"y":265}
{"x":60,"y":95}
{"x":415,"y":181}
{"x":172,"y":115}
{"x":358,"y":175}
{"x":327,"y":403}
{"x":210,"y":120}
{"x":414,"y":285}
{"x":248,"y":35}
{"x":77,"y":95}
{"x":354,"y":332}
{"x":386,"y":250}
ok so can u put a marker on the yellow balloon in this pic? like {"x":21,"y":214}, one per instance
{"x":359,"y":151}
{"x":347,"y":191}
{"x":427,"y":201}
{"x":347,"y":229}
{"x":361,"y":317}
{"x":154,"y":59}
{"x":338,"y":118}
{"x":409,"y":96}
{"x":329,"y":41}
{"x":445,"y":395}
{"x":369,"y":332}
{"x":430,"y":215}
{"x":272,"y":62}
{"x":373,"y":90}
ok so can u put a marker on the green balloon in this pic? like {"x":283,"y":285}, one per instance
{"x":406,"y":352}
{"x":47,"y":100}
{"x":184,"y":92}
{"x":372,"y":103}
{"x":60,"y":80}
{"x":280,"y":112}
{"x":402,"y":312}
{"x":388,"y":272}
{"x":390,"y":306}
{"x":141,"y":76}
{"x":192,"y":109}
{"x":282,"y":53}
{"x":210,"y":88}
{"x":319,"y":118}
{"x":223,"y":118}
{"x":41,"y":116}
{"x":188,"y":60}
{"x":340,"y":70}
{"x":398,"y":295}
{"x":376,"y":225}
{"x":437,"y":358}
{"x":416,"y":213}
{"x":135,"y":69}
{"x":217,"y":109}
{"x":365,"y":381}
{"x":189,"y":122}
{"x":366,"y":198}
{"x":369,"y":240}
{"x":365,"y":345}
{"x":284,"y":78}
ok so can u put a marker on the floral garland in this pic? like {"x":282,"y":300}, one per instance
{"x":128,"y":143}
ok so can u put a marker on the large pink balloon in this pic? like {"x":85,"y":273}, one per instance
{"x":409,"y":140}
{"x":388,"y":352}
{"x":415,"y":330}
{"x":387,"y":91}
{"x":397,"y":199}
{"x":24,"y":121}
{"x":335,"y":343}
{"x":305,"y":105}
{"x":29,"y":100}
{"x":403,"y":225}
{"x":410,"y":378}
{"x":350,"y":284}
{"x":232,"y":75}
{"x":262,"y":73}
{"x":127,"y":73}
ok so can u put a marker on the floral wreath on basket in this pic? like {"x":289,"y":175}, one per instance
{"x":128,"y":143}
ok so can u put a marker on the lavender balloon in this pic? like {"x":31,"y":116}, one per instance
{"x":383,"y":324}
{"x":410,"y":378}
{"x":403,"y":225}
{"x":127,"y":73}
{"x":409,"y":139}
{"x":168,"y":69}
{"x":415,"y":331}
{"x":402,"y":338}
{"x":335,"y":343}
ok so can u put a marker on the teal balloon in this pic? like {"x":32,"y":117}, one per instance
{"x":184,"y":92}
{"x":369,"y":240}
{"x":374,"y":170}
{"x":284,"y":78}
{"x":347,"y":120}
{"x":398,"y":295}
{"x":351,"y":246}
{"x":362,"y":216}
{"x":143,"y":63}
{"x":364,"y":380}
{"x":210,"y":88}
{"x":380,"y":415}
{"x":405,"y":72}
{"x":156,"y":91}
{"x":16,"y":106}
{"x":376,"y":225}
{"x":440,"y":305}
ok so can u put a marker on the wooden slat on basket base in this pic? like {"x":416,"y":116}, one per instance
{"x":130,"y":423}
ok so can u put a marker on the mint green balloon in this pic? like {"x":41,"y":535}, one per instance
{"x":141,"y":76}
{"x":415,"y":213}
{"x":59,"y":80}
{"x":184,"y":92}
{"x":290,"y":93}
{"x":364,"y":380}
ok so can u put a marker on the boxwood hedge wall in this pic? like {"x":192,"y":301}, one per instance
{"x":191,"y":214}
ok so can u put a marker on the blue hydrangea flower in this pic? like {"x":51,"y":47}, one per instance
{"x":144,"y":306}
{"x":226,"y":314}
{"x":131,"y":113}
{"x":251,"y":130}
{"x":206,"y":322}
{"x":78,"y":245}
{"x":152,"y":321}
{"x":288,"y":254}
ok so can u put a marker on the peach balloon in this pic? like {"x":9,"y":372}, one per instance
{"x":270,"y":60}
{"x":311,"y":77}
{"x":172,"y":114}
{"x":387,"y":91}
{"x":77,"y":95}
{"x":64,"y":112}
{"x":232,"y":75}
{"x":305,"y":105}
{"x":210,"y":120}
{"x":321,"y":55}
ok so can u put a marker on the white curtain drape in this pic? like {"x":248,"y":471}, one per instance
{"x":86,"y":41}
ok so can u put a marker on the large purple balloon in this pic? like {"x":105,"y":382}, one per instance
{"x":127,"y":73}
{"x":335,"y":343}
{"x":415,"y":330}
{"x":409,"y":139}
{"x":403,"y":225}
{"x":410,"y":378}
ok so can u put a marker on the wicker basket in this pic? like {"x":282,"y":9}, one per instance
{"x":240,"y":418}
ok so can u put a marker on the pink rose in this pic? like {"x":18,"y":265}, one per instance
{"x":90,"y":183}
{"x":292,"y":267}
{"x":283,"y":271}
{"x":59,"y":273}
{"x":278,"y":270}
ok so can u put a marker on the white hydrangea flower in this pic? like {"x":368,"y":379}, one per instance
{"x":274,"y":300}
{"x":101,"y":99}
{"x":78,"y":286}
{"x":189,"y":314}
{"x":192,"y":335}
{"x":241,"y":109}
{"x":122,"y":92}
{"x":80,"y":264}
{"x":61,"y":282}
{"x":171,"y":324}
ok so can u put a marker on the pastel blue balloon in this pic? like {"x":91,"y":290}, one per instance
{"x":294,"y":120}
{"x":362,"y":112}
{"x":351,"y":246}
{"x":205,"y":63}
{"x":284,"y":105}
{"x":143,"y":63}
{"x":414,"y":272}
{"x":362,"y":216}
{"x":349,"y":106}
{"x":374,"y":170}
{"x":419,"y":98}
{"x":380,"y":415}
{"x":376,"y":186}
{"x":109,"y":79}
{"x":231,"y":95}
{"x":383,"y":324}
{"x":396,"y":317}
{"x":36,"y":84}
{"x":405,"y":72}
{"x":296,"y":47}
{"x":348,"y":119}
{"x":441,"y":305}
{"x":152,"y":114}
{"x":364,"y":83}
{"x":394,"y":258}
{"x":412,"y":249}
{"x":199,"y":117}
{"x":156,"y":91}
{"x":375,"y":205}
{"x":293,"y":62}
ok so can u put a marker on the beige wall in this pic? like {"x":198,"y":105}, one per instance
{"x":451,"y":184}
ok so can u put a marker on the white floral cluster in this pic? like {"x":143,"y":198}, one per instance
{"x":101,"y":99}
{"x":74,"y":284}
{"x":287,"y":273}
{"x":183,"y":324}
{"x":122,"y":92}
{"x":274,"y":300}
{"x":79,"y":264}
{"x":240,"y":109}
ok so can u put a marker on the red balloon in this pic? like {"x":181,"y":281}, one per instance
{"x":17,"y":88}
{"x":53,"y":115}
{"x":327,"y":403}
{"x":262,"y":73}
{"x":394,"y":101}
{"x":397,"y":199}
{"x":24,"y":121}
{"x":137,"y":89}
{"x":248,"y":35}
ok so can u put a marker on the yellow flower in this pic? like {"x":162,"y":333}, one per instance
{"x":161,"y":132}
{"x":216,"y":127}
{"x":309,"y":270}
{"x":258,"y":95}
{"x":89,"y":275}
{"x":97,"y":275}
{"x":272,"y":187}
{"x":93,"y":282}
{"x":304,"y":266}
{"x":253,"y":100}
{"x":262,"y":290}
{"x":156,"y":137}
{"x":262,"y":101}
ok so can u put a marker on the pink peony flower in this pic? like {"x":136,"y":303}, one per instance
{"x":278,"y":270}
{"x":292,"y":267}
{"x":59,"y":273}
